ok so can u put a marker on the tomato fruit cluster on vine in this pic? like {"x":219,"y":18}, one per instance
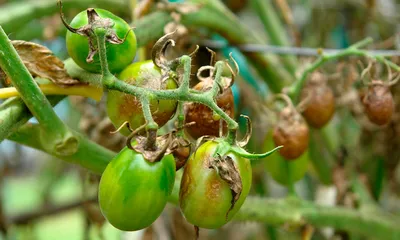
{"x":137,"y":183}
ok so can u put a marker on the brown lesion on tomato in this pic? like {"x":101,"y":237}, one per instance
{"x":203,"y":116}
{"x":187,"y":184}
{"x":128,"y":104}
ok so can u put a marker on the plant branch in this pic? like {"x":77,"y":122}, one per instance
{"x":207,"y":98}
{"x":59,"y":139}
{"x":295,"y":89}
{"x":88,"y":155}
{"x":14,"y":113}
{"x":299,"y":212}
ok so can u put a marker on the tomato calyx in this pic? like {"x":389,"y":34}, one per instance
{"x":88,"y":31}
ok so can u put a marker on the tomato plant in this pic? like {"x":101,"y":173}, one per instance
{"x":119,"y":55}
{"x":123,"y":107}
{"x":133,"y":192}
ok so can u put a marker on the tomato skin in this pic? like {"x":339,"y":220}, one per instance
{"x":205,"y":198}
{"x":118,"y":56}
{"x":379,"y":103}
{"x":133,"y":192}
{"x":123,"y":107}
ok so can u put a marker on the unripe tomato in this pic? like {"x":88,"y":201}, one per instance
{"x":203,"y":116}
{"x":320,"y":101}
{"x":123,"y":107}
{"x":292,"y":133}
{"x":118,"y":55}
{"x":133,"y":192}
{"x":378,"y":103}
{"x":277,"y":166}
{"x":205,"y":198}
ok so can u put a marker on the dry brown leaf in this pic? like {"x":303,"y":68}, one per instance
{"x":41,"y":62}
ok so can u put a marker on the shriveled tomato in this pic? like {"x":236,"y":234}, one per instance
{"x":118,"y":55}
{"x":321,"y":101}
{"x":133,"y":192}
{"x":205,"y":198}
{"x":292,"y":133}
{"x":123,"y":107}
{"x":379,"y":103}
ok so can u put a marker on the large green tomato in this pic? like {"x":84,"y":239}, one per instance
{"x":133,"y":192}
{"x":118,"y":55}
{"x":279,"y":167}
{"x":204,"y":197}
{"x":123,"y":107}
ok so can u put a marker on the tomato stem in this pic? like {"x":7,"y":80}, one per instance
{"x":295,"y":89}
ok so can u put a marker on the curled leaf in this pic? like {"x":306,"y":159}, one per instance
{"x":41,"y":62}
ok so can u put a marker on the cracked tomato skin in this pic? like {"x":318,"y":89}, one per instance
{"x":123,"y":107}
{"x":205,"y":198}
{"x":118,"y":55}
{"x":133,"y":192}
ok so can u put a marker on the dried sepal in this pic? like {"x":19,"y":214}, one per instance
{"x":94,"y":21}
{"x":249,"y":131}
{"x":160,"y":149}
{"x":158,"y":52}
{"x":228,"y":171}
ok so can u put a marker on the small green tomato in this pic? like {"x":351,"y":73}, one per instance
{"x":118,"y":55}
{"x":133,"y":192}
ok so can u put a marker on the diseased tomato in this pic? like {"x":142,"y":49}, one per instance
{"x":292,"y":133}
{"x":276,"y":165}
{"x":320,"y":106}
{"x":118,"y":55}
{"x":133,"y":192}
{"x":123,"y":107}
{"x":203,"y":116}
{"x":205,"y":198}
{"x":378,"y":103}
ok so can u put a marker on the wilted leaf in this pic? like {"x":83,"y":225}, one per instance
{"x":41,"y":62}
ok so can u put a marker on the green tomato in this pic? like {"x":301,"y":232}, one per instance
{"x":204,"y":197}
{"x":118,"y":55}
{"x":279,"y":167}
{"x":133,"y":192}
{"x":123,"y":107}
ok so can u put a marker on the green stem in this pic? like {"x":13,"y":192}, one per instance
{"x":275,"y":29}
{"x":60,"y":140}
{"x":290,"y":186}
{"x":299,"y":212}
{"x":14,"y":113}
{"x":88,"y":155}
